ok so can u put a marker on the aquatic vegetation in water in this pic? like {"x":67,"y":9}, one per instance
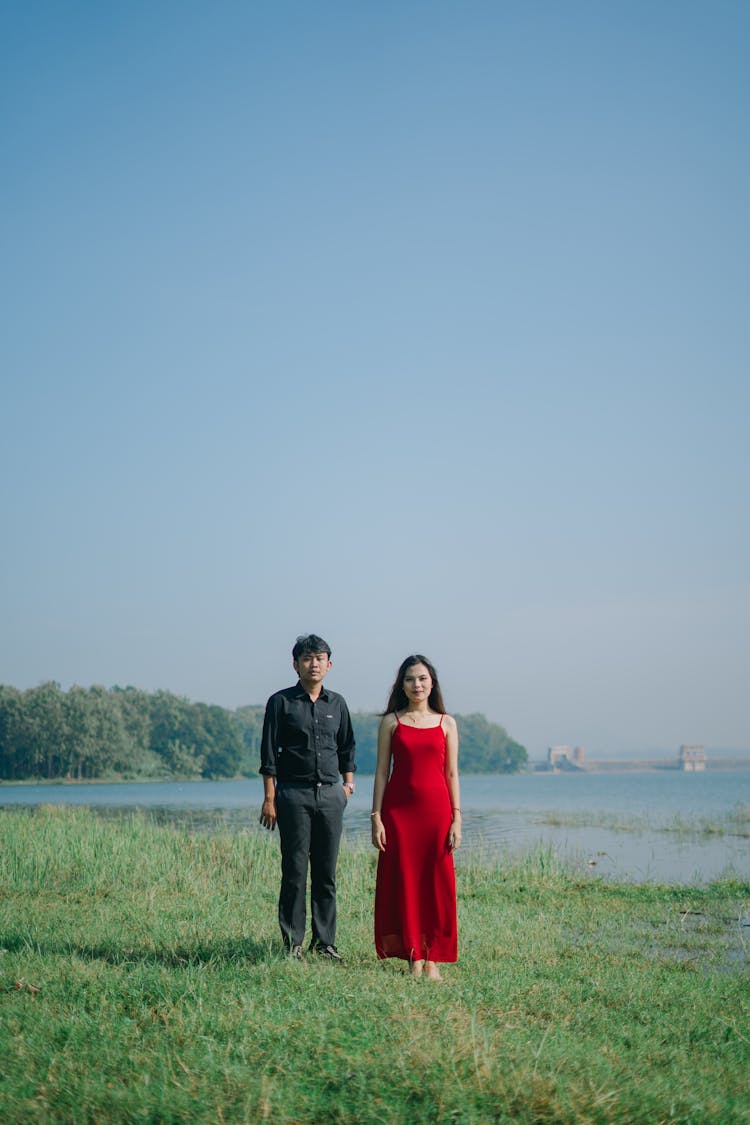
{"x":733,"y":823}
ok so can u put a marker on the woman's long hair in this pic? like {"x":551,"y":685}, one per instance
{"x":398,"y":700}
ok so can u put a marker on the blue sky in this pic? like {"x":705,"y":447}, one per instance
{"x":423,"y":326}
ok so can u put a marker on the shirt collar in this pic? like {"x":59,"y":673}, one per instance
{"x":301,"y":692}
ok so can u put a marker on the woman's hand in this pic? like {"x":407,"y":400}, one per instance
{"x":454,"y":834}
{"x":378,"y":832}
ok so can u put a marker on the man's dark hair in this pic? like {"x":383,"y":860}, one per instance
{"x":310,"y":642}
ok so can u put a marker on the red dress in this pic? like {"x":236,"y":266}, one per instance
{"x":415,"y":893}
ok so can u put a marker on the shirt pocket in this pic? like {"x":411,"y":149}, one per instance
{"x":328,"y":727}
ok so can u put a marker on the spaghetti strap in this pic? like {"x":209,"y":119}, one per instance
{"x":407,"y":727}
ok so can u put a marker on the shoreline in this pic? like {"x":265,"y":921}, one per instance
{"x":537,"y":768}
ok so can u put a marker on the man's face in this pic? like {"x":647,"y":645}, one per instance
{"x":311,"y":667}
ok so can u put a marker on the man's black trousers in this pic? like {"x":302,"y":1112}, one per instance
{"x":310,"y":818}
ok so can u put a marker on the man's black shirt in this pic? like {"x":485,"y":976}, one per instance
{"x":305,"y":741}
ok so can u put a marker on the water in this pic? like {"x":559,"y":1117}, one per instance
{"x":501,"y":814}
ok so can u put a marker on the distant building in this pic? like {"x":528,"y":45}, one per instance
{"x":565,"y":758}
{"x":692,"y":758}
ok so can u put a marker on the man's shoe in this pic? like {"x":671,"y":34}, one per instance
{"x":295,"y":953}
{"x":330,"y":952}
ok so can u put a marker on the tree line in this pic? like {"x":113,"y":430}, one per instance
{"x":124,"y":733}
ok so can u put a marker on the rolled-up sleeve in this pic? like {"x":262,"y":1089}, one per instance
{"x":346,"y":744}
{"x":269,"y":739}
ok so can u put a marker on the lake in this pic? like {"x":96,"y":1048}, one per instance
{"x":665,"y":826}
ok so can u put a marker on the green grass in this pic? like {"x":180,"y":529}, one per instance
{"x":141,"y":981}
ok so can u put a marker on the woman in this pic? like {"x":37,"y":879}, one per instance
{"x":416,"y":823}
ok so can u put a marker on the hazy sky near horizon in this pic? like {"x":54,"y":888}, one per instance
{"x":423,"y":326}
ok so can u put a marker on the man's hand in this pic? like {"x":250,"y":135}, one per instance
{"x":268,"y":813}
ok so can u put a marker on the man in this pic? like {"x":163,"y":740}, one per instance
{"x":307,"y":742}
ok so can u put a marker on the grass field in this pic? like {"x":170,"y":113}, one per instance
{"x":141,"y":980}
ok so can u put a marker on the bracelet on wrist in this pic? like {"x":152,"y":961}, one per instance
{"x":374,"y":814}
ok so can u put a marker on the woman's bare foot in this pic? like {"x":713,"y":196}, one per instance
{"x":432,"y":972}
{"x":415,"y":968}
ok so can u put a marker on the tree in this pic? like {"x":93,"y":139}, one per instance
{"x":485,"y":747}
{"x":98,"y":743}
{"x":45,"y":716}
{"x":366,"y":725}
{"x":11,"y":733}
{"x":221,"y":743}
{"x":249,"y":722}
{"x":182,"y":761}
{"x":135,"y":706}
{"x":173,"y":734}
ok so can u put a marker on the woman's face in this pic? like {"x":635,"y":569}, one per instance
{"x":417,"y":683}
